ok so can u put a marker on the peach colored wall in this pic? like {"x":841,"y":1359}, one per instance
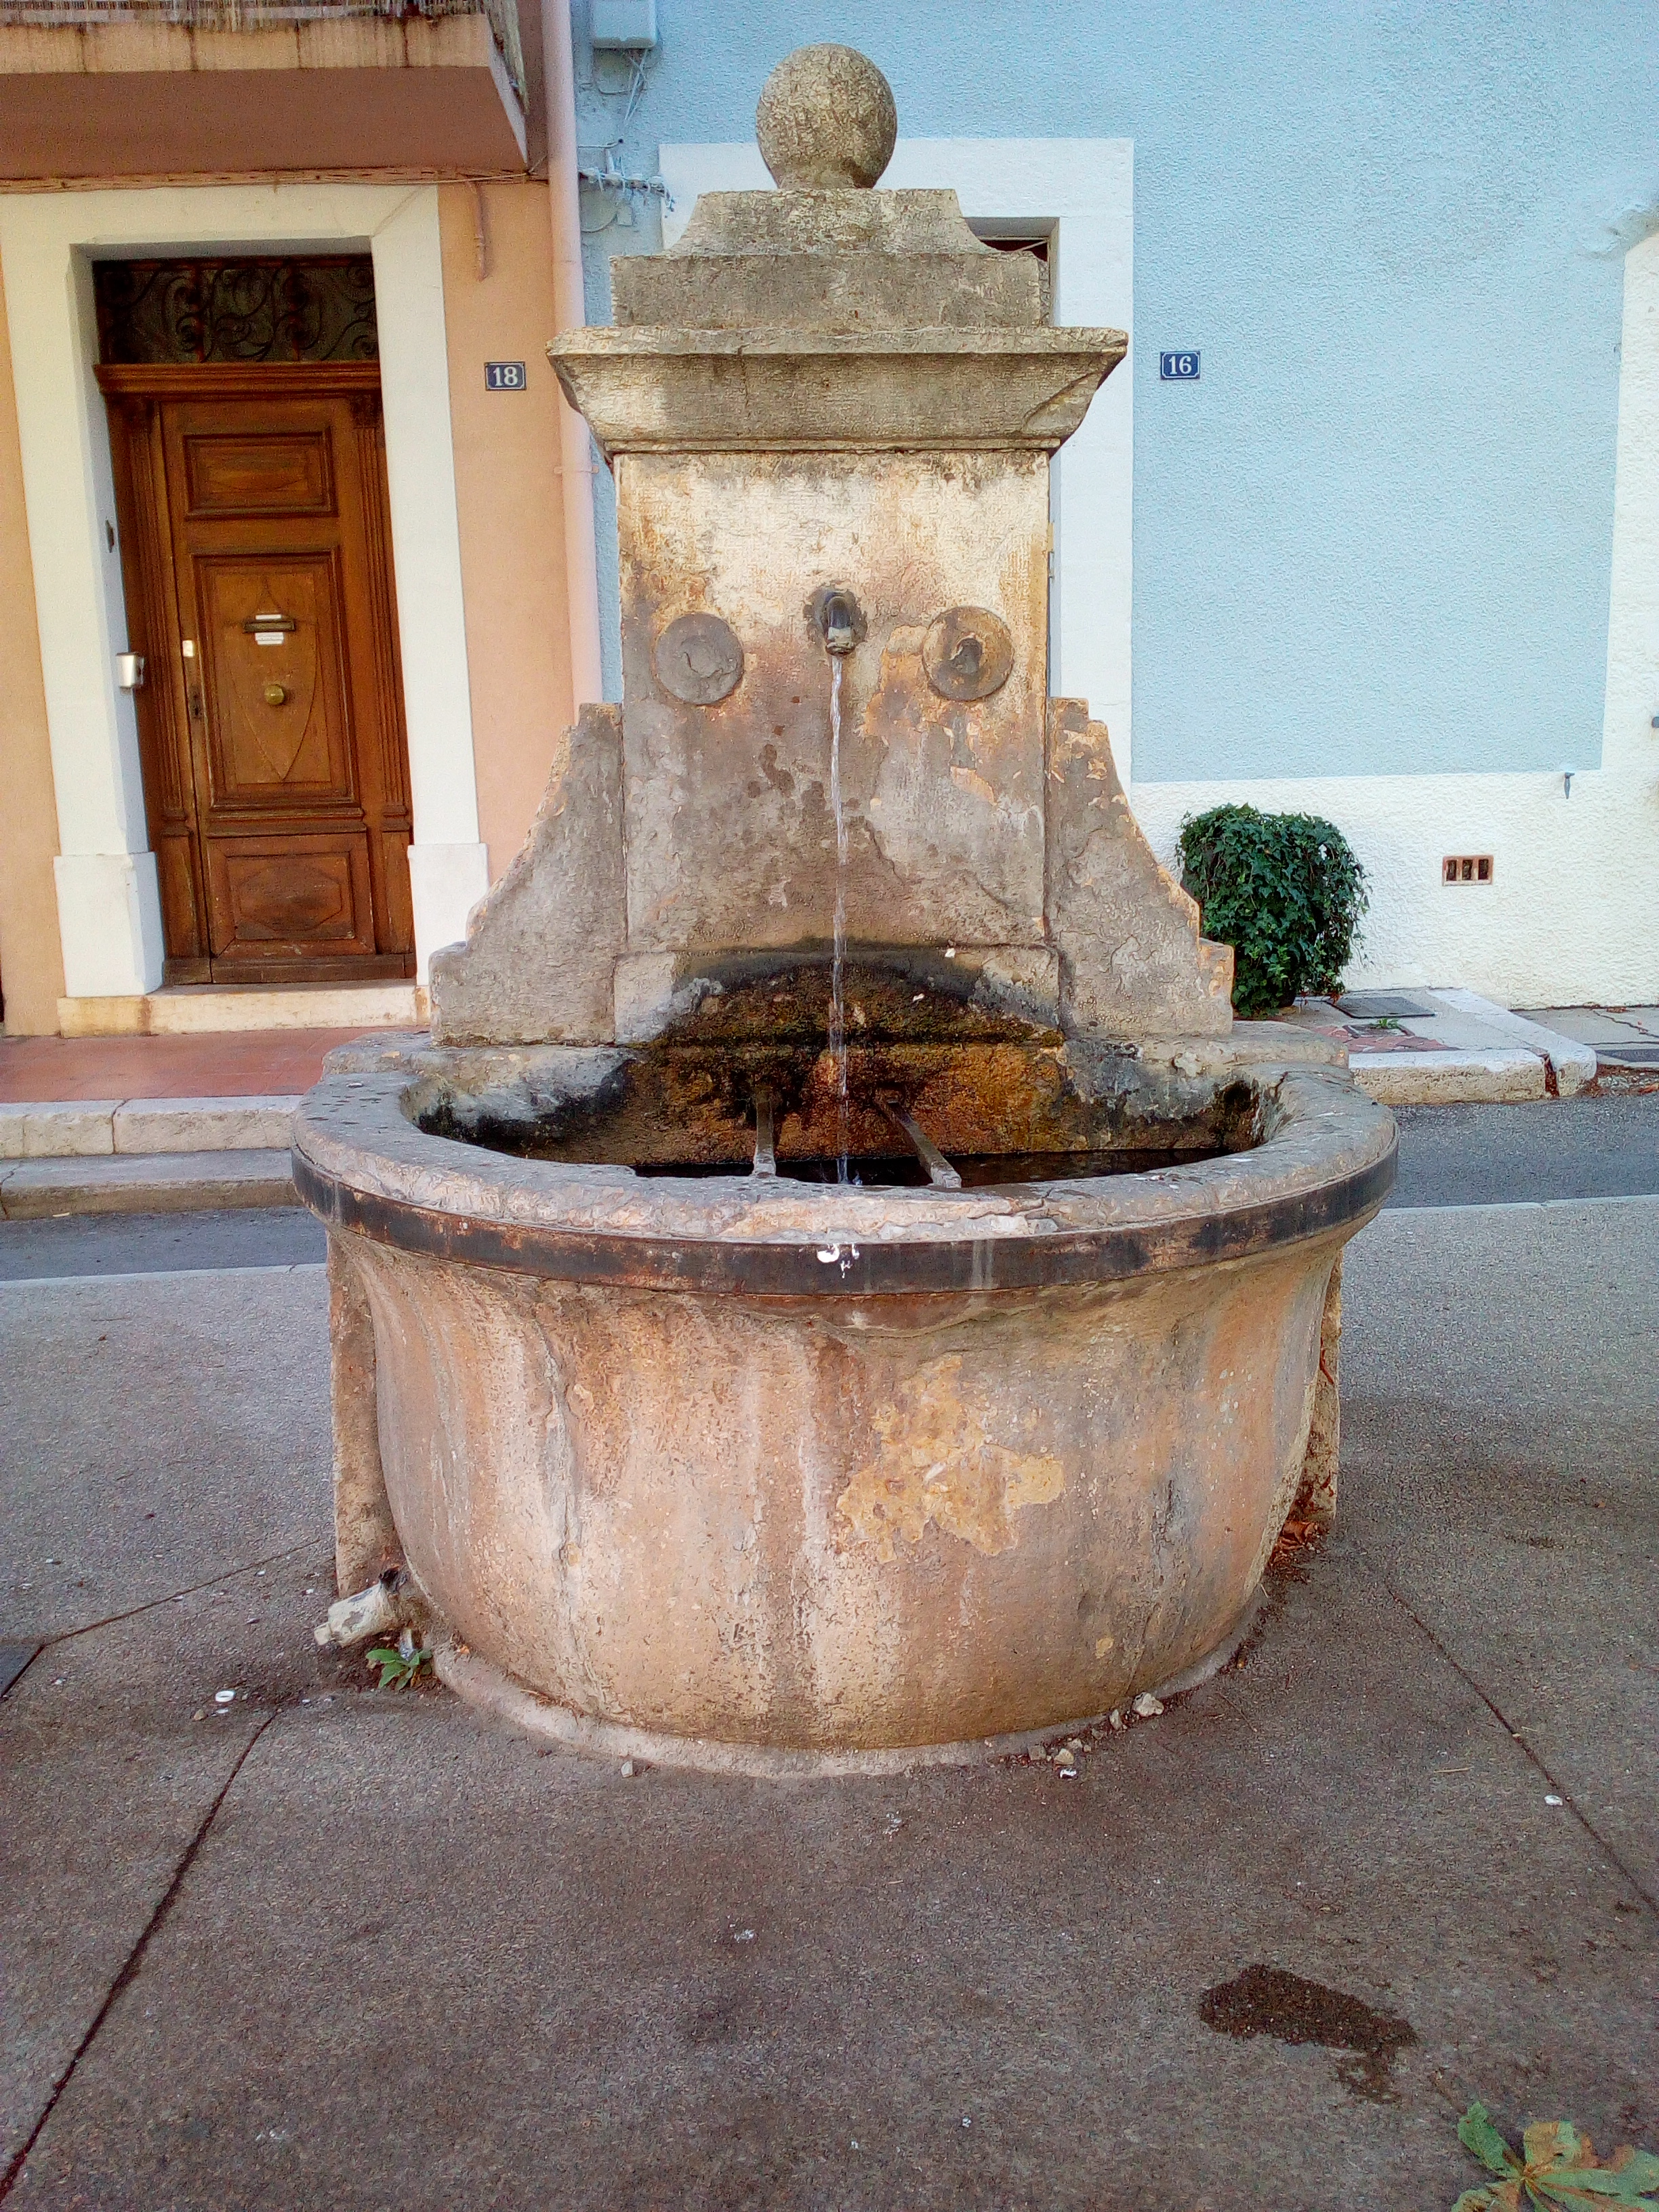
{"x":31,"y":966}
{"x":508,"y":500}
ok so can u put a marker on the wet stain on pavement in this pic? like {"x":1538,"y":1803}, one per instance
{"x":1270,"y":2001}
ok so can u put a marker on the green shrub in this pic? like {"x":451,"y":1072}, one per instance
{"x":1284,"y":890}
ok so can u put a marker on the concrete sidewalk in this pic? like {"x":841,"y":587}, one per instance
{"x":1620,"y":1037}
{"x":326,"y":1946}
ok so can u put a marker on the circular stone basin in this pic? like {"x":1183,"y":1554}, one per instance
{"x":758,"y":1472}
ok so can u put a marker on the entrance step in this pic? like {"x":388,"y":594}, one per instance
{"x":148,"y":1183}
{"x":89,"y":1128}
{"x":199,"y":1009}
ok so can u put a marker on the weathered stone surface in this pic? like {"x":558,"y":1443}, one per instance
{"x":366,"y":1540}
{"x":81,"y":1129}
{"x":1132,"y":962}
{"x":812,"y":390}
{"x":204,"y":1125}
{"x":730,"y":840}
{"x":1315,"y":1500}
{"x":540,"y":951}
{"x":659,"y":991}
{"x":826,"y":119}
{"x":580,"y":1436}
{"x":1317,"y":1131}
{"x":827,"y":261}
{"x":795,"y":1468}
{"x":583,"y":1480}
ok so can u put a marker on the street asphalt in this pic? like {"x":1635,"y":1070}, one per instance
{"x":331,"y":1947}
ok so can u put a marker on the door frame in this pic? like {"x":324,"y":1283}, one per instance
{"x":108,"y":902}
{"x":133,"y":393}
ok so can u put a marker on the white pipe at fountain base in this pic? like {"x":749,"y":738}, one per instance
{"x":376,"y":1610}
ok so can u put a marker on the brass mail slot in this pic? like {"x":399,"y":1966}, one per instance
{"x":269,"y":622}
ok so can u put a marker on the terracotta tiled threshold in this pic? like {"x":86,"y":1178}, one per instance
{"x":226,"y":1064}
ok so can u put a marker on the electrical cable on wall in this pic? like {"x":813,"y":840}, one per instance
{"x":610,"y":178}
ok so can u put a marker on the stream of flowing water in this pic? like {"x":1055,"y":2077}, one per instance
{"x":838,"y":959}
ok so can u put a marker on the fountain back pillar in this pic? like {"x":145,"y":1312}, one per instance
{"x":837,"y":1288}
{"x":823,"y":388}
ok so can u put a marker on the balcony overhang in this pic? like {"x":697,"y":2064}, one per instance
{"x":98,"y":96}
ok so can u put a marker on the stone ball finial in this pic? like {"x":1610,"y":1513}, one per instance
{"x":826,"y":121}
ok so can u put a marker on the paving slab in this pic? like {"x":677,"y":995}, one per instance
{"x":1446,"y":1076}
{"x":414,"y":1962}
{"x":205,"y":1125}
{"x":156,"y":1433}
{"x":63,"y":1129}
{"x":114,"y":1753}
{"x":80,"y":1128}
{"x":145,"y":1183}
{"x":1524,"y":1534}
{"x":1446,"y":1046}
{"x":219,"y":1065}
{"x":417,"y":1964}
{"x":1597,"y":1026}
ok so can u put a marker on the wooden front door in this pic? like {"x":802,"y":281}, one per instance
{"x":257,"y":565}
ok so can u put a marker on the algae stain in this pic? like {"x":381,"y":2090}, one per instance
{"x":938,"y":1464}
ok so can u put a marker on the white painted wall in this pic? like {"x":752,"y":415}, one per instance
{"x":1083,"y":189}
{"x":109,"y":911}
{"x":1572,"y":913}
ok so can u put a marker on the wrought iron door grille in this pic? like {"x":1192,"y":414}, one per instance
{"x":317,"y":309}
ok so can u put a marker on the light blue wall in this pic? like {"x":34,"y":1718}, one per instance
{"x":1375,"y":537}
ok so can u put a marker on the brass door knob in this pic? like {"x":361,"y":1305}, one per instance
{"x":275,"y":694}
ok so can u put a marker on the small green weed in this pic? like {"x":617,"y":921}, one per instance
{"x":400,"y":1667}
{"x":1559,"y":2170}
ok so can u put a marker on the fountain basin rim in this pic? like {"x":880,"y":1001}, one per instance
{"x":1325,"y":1166}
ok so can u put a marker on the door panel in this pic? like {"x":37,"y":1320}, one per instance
{"x":258,"y":566}
{"x":278,"y":734}
{"x":255,"y":475}
{"x":270,"y":895}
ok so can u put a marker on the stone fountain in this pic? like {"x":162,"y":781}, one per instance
{"x":837,"y":1289}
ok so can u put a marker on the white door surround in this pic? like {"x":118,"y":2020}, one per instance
{"x":108,"y":900}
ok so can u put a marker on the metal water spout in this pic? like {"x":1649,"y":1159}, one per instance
{"x":839,"y":617}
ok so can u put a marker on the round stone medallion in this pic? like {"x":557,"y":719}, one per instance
{"x":967,"y":653}
{"x":697,"y":659}
{"x":826,"y":121}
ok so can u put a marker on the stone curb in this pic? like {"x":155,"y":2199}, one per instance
{"x":1574,"y":1063}
{"x":1502,"y":1077}
{"x":90,"y":1129}
{"x":1524,"y":1061}
{"x":155,"y":1183}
